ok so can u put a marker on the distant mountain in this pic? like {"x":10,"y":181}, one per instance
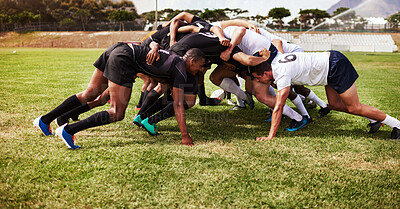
{"x":372,"y":8}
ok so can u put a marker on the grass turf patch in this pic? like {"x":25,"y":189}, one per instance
{"x":331,"y":163}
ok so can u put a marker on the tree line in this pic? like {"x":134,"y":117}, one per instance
{"x":65,"y":13}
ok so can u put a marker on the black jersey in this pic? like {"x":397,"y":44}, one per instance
{"x":170,"y":66}
{"x":206,"y":42}
{"x":162,"y":38}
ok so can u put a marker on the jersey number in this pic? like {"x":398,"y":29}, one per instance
{"x":288,"y":58}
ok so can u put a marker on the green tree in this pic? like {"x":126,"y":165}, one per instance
{"x":121,"y":16}
{"x":82,"y":15}
{"x":313,"y":16}
{"x":350,"y":15}
{"x":278,"y":13}
{"x":394,"y":19}
{"x":214,"y":15}
{"x":259,"y":19}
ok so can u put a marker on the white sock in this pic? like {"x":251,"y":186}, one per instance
{"x":291,"y":113}
{"x":391,"y":122}
{"x":271,"y":91}
{"x":229,"y":85}
{"x":239,"y":102}
{"x":371,"y":120}
{"x":300,"y":106}
{"x":316,"y":99}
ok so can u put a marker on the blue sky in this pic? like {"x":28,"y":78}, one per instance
{"x":254,"y":7}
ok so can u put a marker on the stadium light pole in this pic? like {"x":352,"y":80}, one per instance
{"x":155,"y":22}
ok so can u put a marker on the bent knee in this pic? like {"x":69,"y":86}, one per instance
{"x":116,"y":115}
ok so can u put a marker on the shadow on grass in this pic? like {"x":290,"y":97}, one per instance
{"x":207,"y":124}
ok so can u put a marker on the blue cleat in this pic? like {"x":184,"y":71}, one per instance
{"x":152,"y":129}
{"x":46,"y":129}
{"x":67,"y":138}
{"x":296,"y":125}
{"x":138,"y":121}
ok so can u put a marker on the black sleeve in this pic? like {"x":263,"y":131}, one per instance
{"x":146,"y":42}
{"x":180,"y":77}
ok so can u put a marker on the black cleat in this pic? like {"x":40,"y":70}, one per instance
{"x":61,"y":121}
{"x":75,"y":117}
{"x":309,"y":119}
{"x":249,"y":100}
{"x":374,"y":127}
{"x":395,"y":133}
{"x":324,"y":111}
{"x":296,"y":125}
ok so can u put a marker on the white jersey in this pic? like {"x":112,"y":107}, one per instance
{"x":301,"y":68}
{"x":251,"y":43}
{"x":287,"y":47}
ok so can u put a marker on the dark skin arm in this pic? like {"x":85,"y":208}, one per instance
{"x":281,"y":97}
{"x":179,"y":109}
{"x":153,"y":53}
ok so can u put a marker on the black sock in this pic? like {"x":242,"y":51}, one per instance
{"x":151,"y":97}
{"x":97,"y":119}
{"x":166,"y":112}
{"x":204,"y":100}
{"x":157,"y":106}
{"x":73,"y":113}
{"x":228,"y":95}
{"x":139,"y":104}
{"x":68,"y":104}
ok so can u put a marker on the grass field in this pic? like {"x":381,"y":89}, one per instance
{"x":332,"y":163}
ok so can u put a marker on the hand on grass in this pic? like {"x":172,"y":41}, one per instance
{"x":187,"y":140}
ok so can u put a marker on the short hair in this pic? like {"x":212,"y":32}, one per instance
{"x":195,"y":54}
{"x":261,"y":68}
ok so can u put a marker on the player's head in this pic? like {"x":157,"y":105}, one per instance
{"x":262,"y":72}
{"x":194,"y":59}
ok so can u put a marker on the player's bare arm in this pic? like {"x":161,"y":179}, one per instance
{"x":249,"y":60}
{"x":281,"y":97}
{"x":239,"y":22}
{"x":180,"y":116}
{"x":220,"y":34}
{"x":235,"y":40}
{"x":278,"y":44}
{"x":153,"y":53}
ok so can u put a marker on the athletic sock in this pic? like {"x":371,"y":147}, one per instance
{"x":316,"y":99}
{"x":157,"y":106}
{"x":148,"y":100}
{"x":291,"y":113}
{"x":68,"y":104}
{"x":239,"y":102}
{"x":97,"y":119}
{"x":271,"y":91}
{"x":72,"y":113}
{"x":228,"y":95}
{"x":166,"y":112}
{"x":370,"y":120}
{"x":229,"y":85}
{"x":300,"y":106}
{"x":203,"y":99}
{"x":139,"y":104}
{"x":391,"y":122}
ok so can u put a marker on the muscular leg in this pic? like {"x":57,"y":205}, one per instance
{"x":348,"y":102}
{"x":119,"y":96}
{"x":96,"y":86}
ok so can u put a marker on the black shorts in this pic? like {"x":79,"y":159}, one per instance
{"x":117,"y":65}
{"x":342,"y":74}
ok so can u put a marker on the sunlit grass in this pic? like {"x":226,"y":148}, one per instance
{"x":332,"y":163}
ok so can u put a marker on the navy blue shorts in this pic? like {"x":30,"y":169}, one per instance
{"x":342,"y":74}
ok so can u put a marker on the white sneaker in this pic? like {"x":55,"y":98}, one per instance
{"x":230,"y":102}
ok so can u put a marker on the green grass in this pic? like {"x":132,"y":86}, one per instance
{"x":332,"y":163}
